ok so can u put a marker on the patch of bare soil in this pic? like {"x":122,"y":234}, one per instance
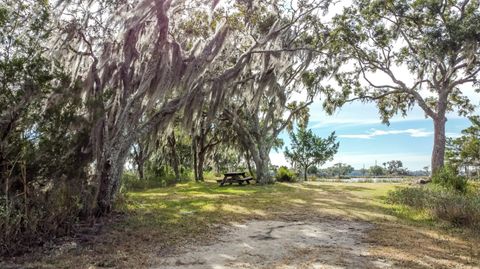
{"x":281,"y":244}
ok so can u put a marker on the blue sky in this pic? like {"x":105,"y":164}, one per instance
{"x":364,"y":139}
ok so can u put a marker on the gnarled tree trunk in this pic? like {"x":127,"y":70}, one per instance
{"x":110,"y":170}
{"x":261,"y":158}
{"x":201,"y":162}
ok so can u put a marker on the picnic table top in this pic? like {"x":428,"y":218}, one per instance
{"x":234,"y":173}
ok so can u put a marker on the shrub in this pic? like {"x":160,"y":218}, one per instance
{"x":448,"y":177}
{"x":414,"y":197}
{"x":285,"y":175}
{"x":25,"y":221}
{"x":459,"y":209}
{"x":130,"y":181}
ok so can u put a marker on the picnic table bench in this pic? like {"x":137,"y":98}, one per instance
{"x":234,"y":177}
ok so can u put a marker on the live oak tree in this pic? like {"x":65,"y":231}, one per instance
{"x":263,"y":103}
{"x":136,"y":75}
{"x":206,"y":135}
{"x":141,"y":65}
{"x":307,"y":149}
{"x":85,"y":83}
{"x":428,"y":51}
{"x":258,"y":124}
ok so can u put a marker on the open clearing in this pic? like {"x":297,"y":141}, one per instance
{"x":280,"y":244}
{"x":313,"y":225}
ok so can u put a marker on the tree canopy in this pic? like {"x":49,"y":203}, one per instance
{"x":308,"y":149}
{"x":93,"y":93}
{"x":463,"y":153}
{"x":435,"y":44}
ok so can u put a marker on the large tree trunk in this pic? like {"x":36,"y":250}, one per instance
{"x":112,"y":152}
{"x":261,"y":171}
{"x":104,"y":203}
{"x":439,"y":141}
{"x":200,"y":152}
{"x":109,"y":180}
{"x":174,"y":156}
{"x":201,"y":162}
{"x":262,"y":161}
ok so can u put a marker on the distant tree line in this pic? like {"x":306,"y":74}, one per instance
{"x":339,"y":170}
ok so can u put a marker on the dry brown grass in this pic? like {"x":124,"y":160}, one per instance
{"x":423,"y":247}
{"x":155,"y":222}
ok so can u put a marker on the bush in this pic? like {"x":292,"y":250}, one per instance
{"x":459,"y":209}
{"x":285,"y":175}
{"x":47,"y":212}
{"x":413,"y":197}
{"x":448,"y":177}
{"x":130,"y":181}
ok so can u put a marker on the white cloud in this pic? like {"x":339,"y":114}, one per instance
{"x":453,"y":135}
{"x":374,"y":133}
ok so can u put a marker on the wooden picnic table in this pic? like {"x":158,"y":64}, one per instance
{"x":234,"y":177}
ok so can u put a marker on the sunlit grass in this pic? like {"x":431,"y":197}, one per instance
{"x":206,"y":203}
{"x":187,"y":214}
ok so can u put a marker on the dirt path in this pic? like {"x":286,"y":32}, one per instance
{"x":278,"y":244}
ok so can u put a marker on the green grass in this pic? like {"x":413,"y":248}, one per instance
{"x":192,"y":212}
{"x":155,"y":221}
{"x":201,"y":204}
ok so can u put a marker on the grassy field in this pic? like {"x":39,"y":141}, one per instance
{"x":154,"y":222}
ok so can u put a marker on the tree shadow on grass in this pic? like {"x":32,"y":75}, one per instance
{"x":413,"y":242}
{"x":399,"y":244}
{"x":159,"y":220}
